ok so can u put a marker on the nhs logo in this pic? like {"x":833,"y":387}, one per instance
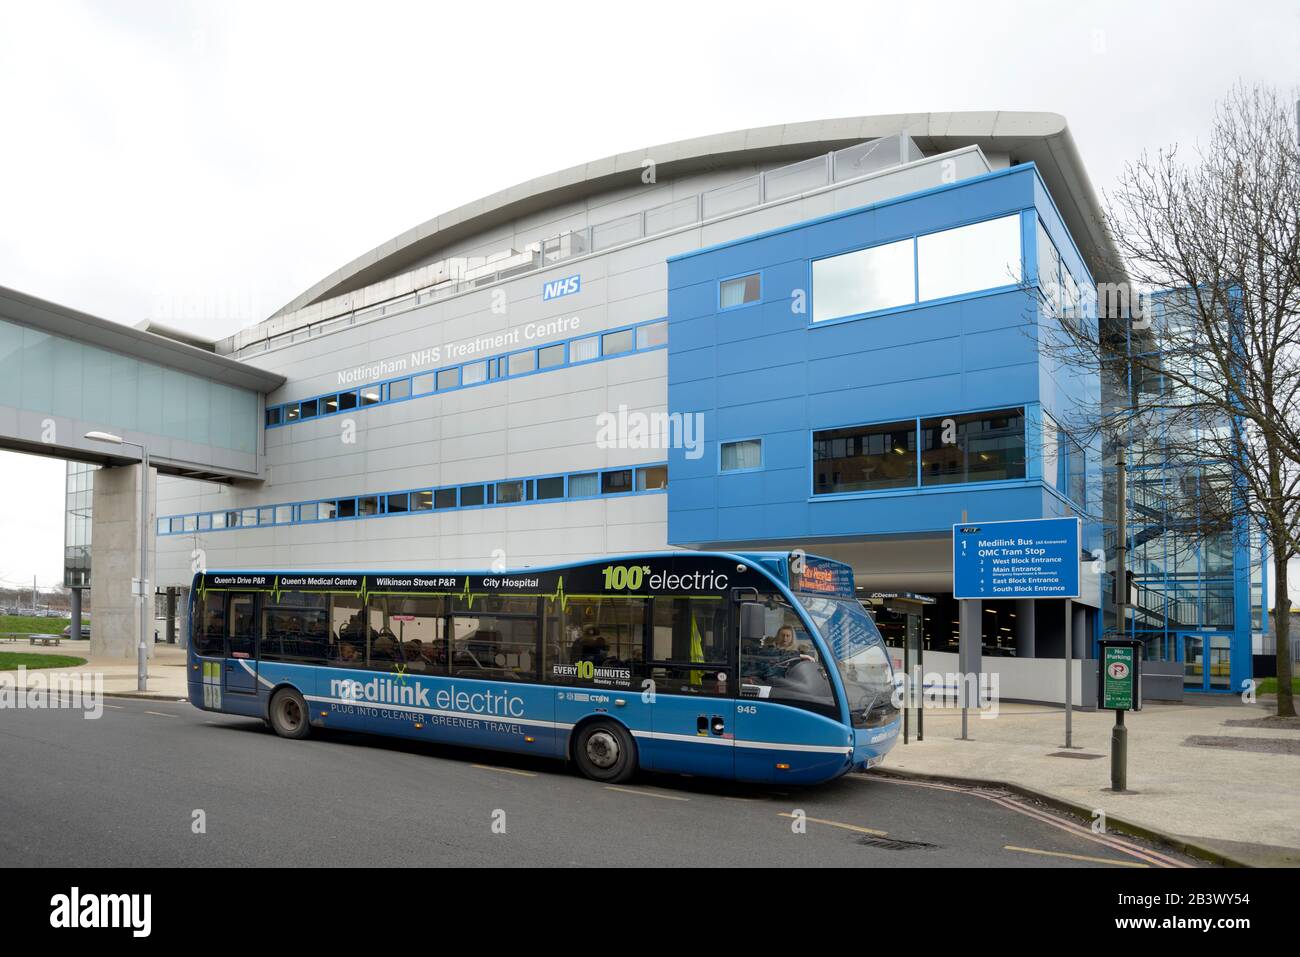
{"x":561,"y":287}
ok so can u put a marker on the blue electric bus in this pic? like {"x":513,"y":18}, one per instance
{"x":755,"y":666}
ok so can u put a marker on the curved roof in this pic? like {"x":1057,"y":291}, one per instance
{"x":1042,"y":138}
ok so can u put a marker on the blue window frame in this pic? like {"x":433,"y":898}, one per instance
{"x":584,"y":485}
{"x":522,"y":363}
{"x":550,"y":487}
{"x":737,"y":291}
{"x":610,"y":344}
{"x":969,"y":259}
{"x":616,"y":482}
{"x":652,"y":478}
{"x":506,"y":493}
{"x":550,"y":357}
{"x":742,"y":455}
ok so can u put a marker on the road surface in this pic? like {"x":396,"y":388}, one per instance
{"x":127,"y":789}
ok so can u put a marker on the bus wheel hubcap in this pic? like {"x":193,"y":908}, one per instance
{"x":602,"y":749}
{"x":289,"y":712}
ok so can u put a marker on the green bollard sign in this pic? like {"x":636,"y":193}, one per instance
{"x":1121,"y":670}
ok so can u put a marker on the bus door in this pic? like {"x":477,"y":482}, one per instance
{"x":240,"y":671}
{"x":787,"y":719}
{"x":693,"y":669}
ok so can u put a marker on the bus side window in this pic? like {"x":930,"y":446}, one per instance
{"x":242,"y":623}
{"x":347,"y":632}
{"x":689,"y":646}
{"x":210,"y":635}
{"x":607,"y":633}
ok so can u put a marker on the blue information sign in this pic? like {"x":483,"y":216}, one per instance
{"x":1037,"y":558}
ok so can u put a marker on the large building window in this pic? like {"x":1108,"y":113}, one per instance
{"x":864,"y":281}
{"x":969,"y":258}
{"x":950,"y":262}
{"x":1064,"y":462}
{"x":864,"y":458}
{"x":1049,"y":270}
{"x":979,"y":447}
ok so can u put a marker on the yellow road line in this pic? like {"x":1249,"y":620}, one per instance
{"x":848,"y":827}
{"x":649,"y":794}
{"x":489,"y":767}
{"x":1075,"y":857}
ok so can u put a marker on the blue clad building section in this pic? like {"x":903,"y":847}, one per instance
{"x":774,"y":372}
{"x":885,"y":380}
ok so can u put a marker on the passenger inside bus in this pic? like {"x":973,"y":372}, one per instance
{"x":591,"y":645}
{"x":384,"y":647}
{"x":413,"y":652}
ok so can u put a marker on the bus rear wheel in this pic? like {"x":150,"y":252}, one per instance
{"x":604,"y":751}
{"x":289,"y":714}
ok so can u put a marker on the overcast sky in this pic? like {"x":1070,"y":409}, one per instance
{"x":203,"y":163}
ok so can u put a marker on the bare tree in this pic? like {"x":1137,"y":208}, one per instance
{"x":1206,"y":375}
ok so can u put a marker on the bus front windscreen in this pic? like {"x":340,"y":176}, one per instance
{"x":860,"y":657}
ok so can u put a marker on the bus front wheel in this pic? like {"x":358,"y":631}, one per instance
{"x":289,"y":714}
{"x":604,"y":751}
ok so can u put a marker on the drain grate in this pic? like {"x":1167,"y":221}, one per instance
{"x":894,"y":844}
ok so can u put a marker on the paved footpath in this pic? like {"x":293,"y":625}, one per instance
{"x":1240,"y":802}
{"x":166,"y":668}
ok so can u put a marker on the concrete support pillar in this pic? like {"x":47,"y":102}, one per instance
{"x":171,"y":615}
{"x":74,"y":600}
{"x":183,"y":603}
{"x":115,"y":530}
{"x":1025,"y":624}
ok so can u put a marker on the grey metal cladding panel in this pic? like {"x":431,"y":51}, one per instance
{"x":645,"y":281}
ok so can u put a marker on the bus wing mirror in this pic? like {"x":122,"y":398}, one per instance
{"x":753,"y":621}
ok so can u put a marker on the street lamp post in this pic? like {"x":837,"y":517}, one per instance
{"x":142,"y":652}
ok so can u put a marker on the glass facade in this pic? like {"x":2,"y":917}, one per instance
{"x":40,"y":372}
{"x":979,"y":447}
{"x":1191,"y":552}
{"x":76,"y":531}
{"x":971,"y":447}
{"x":924,"y":268}
{"x":864,"y":458}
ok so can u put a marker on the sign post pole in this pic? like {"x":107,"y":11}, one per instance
{"x":1069,"y":667}
{"x":1120,"y":689}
